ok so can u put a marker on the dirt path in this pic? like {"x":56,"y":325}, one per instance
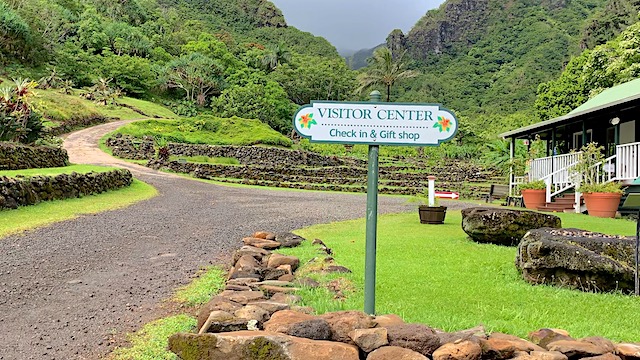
{"x":67,"y":288}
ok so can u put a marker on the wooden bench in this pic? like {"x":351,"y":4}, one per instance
{"x":502,"y":192}
{"x":497,"y":192}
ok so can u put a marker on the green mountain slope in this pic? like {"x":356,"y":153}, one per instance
{"x":486,"y":58}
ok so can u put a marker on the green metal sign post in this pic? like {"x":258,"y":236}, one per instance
{"x":374,"y":123}
{"x":372,"y":225}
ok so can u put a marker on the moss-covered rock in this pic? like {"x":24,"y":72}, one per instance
{"x":503,"y":226}
{"x":577,"y":259}
{"x":257,"y":345}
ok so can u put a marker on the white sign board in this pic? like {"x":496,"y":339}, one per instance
{"x":375,"y":123}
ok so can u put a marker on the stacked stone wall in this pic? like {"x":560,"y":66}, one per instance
{"x":16,"y":192}
{"x":17,"y":157}
{"x":127,"y":147}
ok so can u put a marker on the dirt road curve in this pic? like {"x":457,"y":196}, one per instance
{"x":67,"y":288}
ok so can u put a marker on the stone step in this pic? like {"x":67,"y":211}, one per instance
{"x":555,"y":207}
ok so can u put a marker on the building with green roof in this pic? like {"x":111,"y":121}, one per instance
{"x":609,"y":119}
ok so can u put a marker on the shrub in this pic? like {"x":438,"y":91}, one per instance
{"x":18,"y":121}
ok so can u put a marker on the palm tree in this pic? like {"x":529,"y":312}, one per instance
{"x":276,"y":56}
{"x":384,"y":70}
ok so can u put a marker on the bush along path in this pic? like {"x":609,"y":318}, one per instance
{"x":256,"y":317}
{"x":67,"y":289}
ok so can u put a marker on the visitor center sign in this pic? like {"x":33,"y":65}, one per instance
{"x":375,"y":123}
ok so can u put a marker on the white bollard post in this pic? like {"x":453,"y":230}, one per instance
{"x":432,"y":190}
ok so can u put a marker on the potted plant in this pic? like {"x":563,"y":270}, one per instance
{"x":430,"y":214}
{"x":534,"y":194}
{"x":601,"y":199}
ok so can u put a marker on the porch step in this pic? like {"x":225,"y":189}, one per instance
{"x":560,"y":204}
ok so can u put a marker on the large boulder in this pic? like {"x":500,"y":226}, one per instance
{"x":577,"y":259}
{"x":503,"y":226}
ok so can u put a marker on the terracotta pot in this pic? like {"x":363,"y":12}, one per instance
{"x":534,"y":198}
{"x":602,"y":205}
{"x":432,"y":214}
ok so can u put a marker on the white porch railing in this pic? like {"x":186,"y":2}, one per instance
{"x":560,"y":180}
{"x":557,"y":171}
{"x":627,"y":165}
{"x":543,"y":167}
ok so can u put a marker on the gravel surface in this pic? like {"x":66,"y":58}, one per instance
{"x":67,"y":289}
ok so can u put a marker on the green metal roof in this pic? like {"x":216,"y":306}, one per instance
{"x":616,"y":95}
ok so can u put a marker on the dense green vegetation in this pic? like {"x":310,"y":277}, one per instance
{"x":609,"y":64}
{"x":486,"y":59}
{"x":237,"y":58}
{"x":437,"y":276}
{"x":515,"y":47}
{"x":207,"y":130}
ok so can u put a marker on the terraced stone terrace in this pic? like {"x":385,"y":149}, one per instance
{"x":297,"y":169}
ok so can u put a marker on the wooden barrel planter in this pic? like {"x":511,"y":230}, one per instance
{"x":432,"y":214}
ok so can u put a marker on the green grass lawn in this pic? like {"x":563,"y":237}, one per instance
{"x":210,"y":130}
{"x":80,"y":169}
{"x":150,"y":343}
{"x":57,"y":106}
{"x":206,"y":160}
{"x":435,"y":275}
{"x":149,"y":108}
{"x":49,"y":212}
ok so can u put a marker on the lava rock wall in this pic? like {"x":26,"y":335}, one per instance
{"x":16,"y":192}
{"x":17,"y":156}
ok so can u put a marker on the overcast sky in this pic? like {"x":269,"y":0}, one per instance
{"x":354,"y":24}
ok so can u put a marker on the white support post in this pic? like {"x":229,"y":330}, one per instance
{"x":512,"y":151}
{"x":548,"y":191}
{"x":577,"y":195}
{"x":432,"y":190}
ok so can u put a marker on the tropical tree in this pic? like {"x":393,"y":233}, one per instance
{"x":14,"y":31}
{"x":276,"y":56}
{"x":309,"y":78}
{"x":385,"y":70}
{"x":197,"y":75}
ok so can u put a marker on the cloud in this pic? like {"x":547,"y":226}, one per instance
{"x":354,"y":24}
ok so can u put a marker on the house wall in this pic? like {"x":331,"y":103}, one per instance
{"x":628,"y":132}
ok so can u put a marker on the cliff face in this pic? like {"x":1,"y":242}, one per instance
{"x":268,"y":15}
{"x":453,"y":22}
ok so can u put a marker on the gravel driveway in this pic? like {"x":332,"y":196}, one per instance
{"x":66,"y":289}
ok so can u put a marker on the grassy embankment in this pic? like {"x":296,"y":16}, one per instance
{"x":209,"y":130}
{"x":49,"y":212}
{"x":58,"y":108}
{"x":437,"y":276}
